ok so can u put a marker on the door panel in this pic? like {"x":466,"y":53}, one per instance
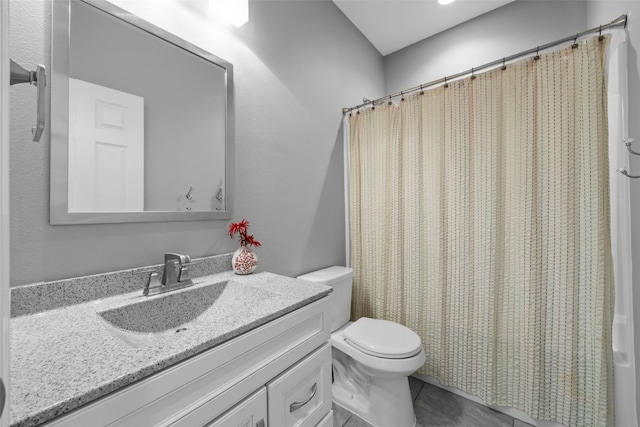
{"x":106,"y":149}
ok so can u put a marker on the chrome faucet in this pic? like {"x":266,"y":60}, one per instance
{"x":171,"y":280}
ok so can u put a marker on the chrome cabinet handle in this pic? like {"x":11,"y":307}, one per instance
{"x":297,"y":405}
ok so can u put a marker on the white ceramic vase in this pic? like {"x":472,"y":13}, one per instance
{"x":244,"y":261}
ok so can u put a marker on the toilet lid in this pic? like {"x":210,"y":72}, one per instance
{"x":383,"y":338}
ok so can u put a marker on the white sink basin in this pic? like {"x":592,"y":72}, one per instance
{"x":181,"y":311}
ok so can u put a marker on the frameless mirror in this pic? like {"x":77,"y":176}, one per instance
{"x":141,"y":121}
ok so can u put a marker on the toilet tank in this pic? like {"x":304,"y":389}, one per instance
{"x":341,"y":280}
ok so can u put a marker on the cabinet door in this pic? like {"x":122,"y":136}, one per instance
{"x":251,"y":412}
{"x":301,"y":396}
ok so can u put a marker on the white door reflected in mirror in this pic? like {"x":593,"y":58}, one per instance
{"x":106,"y":149}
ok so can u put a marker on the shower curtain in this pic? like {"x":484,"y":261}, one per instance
{"x":479,"y":218}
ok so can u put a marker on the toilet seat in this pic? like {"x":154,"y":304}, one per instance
{"x":382,"y":338}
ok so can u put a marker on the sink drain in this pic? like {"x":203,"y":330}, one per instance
{"x":180,"y":330}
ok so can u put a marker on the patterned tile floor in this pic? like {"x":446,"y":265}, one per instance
{"x":436,"y":407}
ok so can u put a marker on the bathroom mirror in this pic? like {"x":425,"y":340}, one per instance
{"x":141,"y":121}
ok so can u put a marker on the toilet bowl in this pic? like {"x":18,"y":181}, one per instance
{"x":372,"y":358}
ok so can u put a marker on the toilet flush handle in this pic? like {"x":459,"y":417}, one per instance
{"x":297,"y":405}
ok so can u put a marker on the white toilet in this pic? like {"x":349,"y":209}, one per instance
{"x":372,"y":359}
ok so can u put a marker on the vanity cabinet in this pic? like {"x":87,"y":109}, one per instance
{"x":282,"y":368}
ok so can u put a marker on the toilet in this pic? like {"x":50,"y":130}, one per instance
{"x":372,"y":358}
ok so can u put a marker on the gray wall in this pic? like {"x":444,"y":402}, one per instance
{"x":514,"y":28}
{"x":296,"y":64}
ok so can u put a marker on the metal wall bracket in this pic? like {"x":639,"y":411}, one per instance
{"x":37,"y":78}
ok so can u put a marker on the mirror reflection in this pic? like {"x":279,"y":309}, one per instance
{"x":146,"y":123}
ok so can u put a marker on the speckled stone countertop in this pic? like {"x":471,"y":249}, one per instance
{"x":69,"y":355}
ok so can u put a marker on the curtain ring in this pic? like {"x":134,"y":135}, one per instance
{"x":473,"y":76}
{"x":537,"y":53}
{"x":600,"y":36}
{"x":446,"y":85}
{"x":421,"y":90}
{"x":504,"y":67}
{"x":402,"y":94}
{"x":390,"y":102}
{"x":575,"y":42}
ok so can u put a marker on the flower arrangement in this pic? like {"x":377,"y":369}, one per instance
{"x":242,"y":228}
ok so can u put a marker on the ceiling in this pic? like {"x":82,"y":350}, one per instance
{"x":391,"y":25}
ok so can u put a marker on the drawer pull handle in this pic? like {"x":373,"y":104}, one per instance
{"x":297,"y":405}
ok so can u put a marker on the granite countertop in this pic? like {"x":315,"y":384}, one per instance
{"x":68,"y":356}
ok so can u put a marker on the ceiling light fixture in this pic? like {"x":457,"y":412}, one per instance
{"x":443,"y":2}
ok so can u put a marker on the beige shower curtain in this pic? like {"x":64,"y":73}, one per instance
{"x":480,"y":219}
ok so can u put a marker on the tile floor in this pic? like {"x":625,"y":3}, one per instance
{"x":436,"y":407}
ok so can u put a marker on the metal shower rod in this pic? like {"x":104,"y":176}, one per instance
{"x":621,"y":21}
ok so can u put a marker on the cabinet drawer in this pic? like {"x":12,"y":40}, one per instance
{"x":251,"y":412}
{"x":301,"y":396}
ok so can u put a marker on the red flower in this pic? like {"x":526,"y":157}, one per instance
{"x":238,"y":227}
{"x":241,"y":229}
{"x":249,"y":240}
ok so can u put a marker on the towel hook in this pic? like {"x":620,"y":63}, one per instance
{"x":625,"y":173}
{"x":628,"y":143}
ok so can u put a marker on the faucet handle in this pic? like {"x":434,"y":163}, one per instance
{"x":184,"y":274}
{"x":153,"y":282}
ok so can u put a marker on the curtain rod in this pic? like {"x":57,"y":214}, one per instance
{"x":621,"y":21}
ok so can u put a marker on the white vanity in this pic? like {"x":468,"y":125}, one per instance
{"x":286,"y":362}
{"x":255,"y":354}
